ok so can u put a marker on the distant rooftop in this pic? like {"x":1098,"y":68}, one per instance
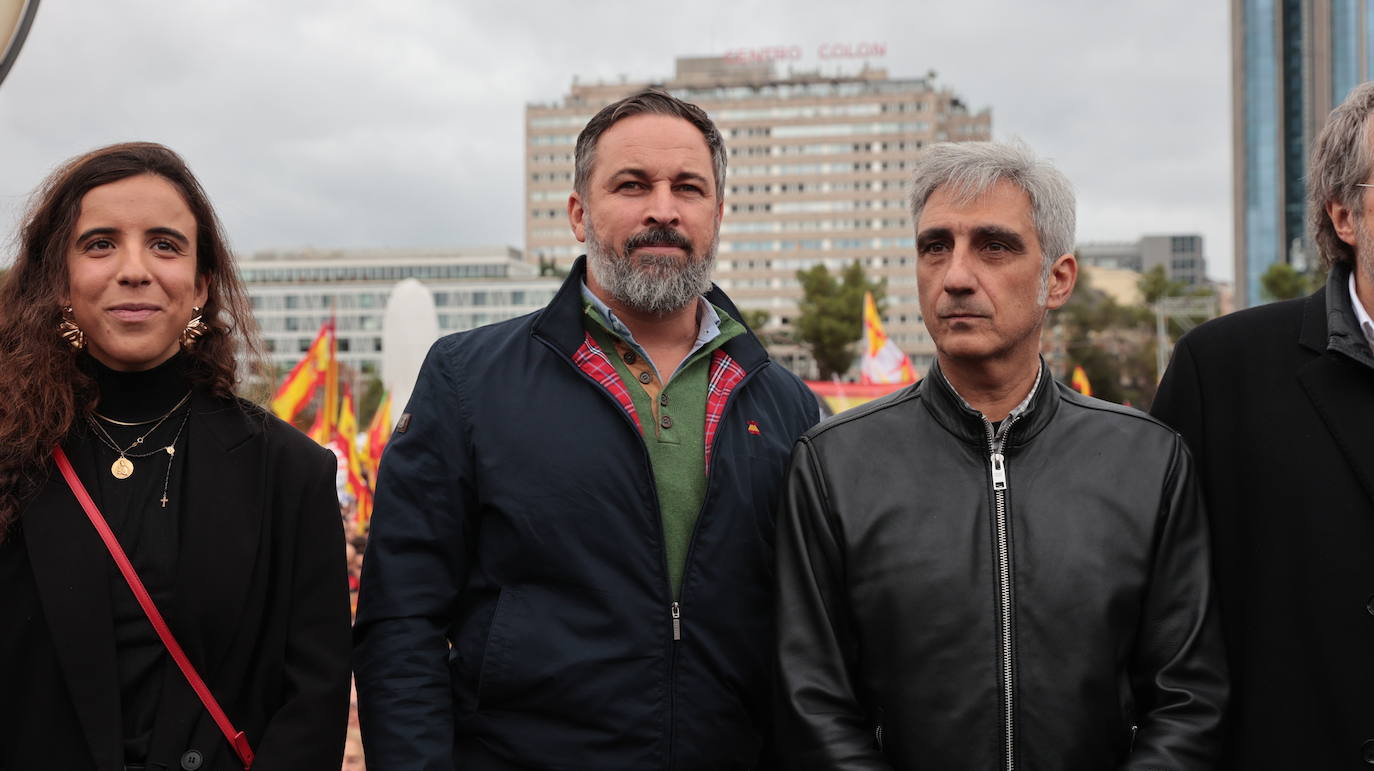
{"x":753,"y":68}
{"x":462,"y":253}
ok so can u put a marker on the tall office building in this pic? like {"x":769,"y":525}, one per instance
{"x":1179,"y":255}
{"x":1292,"y":62}
{"x":293,"y":293}
{"x":818,"y":174}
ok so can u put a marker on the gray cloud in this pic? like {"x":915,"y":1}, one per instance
{"x":401,"y":122}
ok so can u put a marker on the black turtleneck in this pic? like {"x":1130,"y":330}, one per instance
{"x":146,"y":529}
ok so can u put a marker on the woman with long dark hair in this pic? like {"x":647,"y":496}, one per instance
{"x":120,"y":323}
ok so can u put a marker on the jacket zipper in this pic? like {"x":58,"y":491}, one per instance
{"x":998,"y":463}
{"x":674,"y":607}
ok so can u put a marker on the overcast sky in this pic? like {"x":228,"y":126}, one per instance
{"x":400,"y":122}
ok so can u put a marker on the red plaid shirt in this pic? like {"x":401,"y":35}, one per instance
{"x":722,"y":378}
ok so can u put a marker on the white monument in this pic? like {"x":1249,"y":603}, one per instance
{"x":409,"y":328}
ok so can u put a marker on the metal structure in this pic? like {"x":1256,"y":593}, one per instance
{"x":16,"y":16}
{"x":1189,"y":312}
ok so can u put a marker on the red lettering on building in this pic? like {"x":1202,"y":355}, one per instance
{"x":851,"y":50}
{"x":768,"y":54}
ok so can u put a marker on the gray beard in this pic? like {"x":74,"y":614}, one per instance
{"x":1363,"y":260}
{"x":650,"y":284}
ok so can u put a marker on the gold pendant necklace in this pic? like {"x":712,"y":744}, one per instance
{"x":123,"y":467}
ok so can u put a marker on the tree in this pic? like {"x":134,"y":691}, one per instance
{"x":831,"y":318}
{"x":1282,"y":282}
{"x":549,"y":267}
{"x":1113,"y":343}
{"x":1155,"y":284}
{"x":371,"y":398}
{"x":755,"y":318}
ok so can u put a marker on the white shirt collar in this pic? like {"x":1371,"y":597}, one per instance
{"x":708,"y":326}
{"x":1361,"y":313}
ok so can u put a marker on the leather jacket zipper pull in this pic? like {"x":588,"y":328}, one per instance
{"x":999,"y":472}
{"x":677,"y":621}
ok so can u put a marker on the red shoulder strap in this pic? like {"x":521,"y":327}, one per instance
{"x":236,"y":738}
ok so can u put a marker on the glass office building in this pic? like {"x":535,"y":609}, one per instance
{"x":1293,"y":61}
{"x":1180,"y":256}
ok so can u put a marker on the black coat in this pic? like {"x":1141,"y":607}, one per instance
{"x":1277,"y":403}
{"x":261,"y":610}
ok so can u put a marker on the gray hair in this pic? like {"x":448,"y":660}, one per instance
{"x":1340,"y":161}
{"x":648,"y":102}
{"x":969,"y":169}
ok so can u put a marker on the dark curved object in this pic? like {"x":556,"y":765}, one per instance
{"x":11,"y":50}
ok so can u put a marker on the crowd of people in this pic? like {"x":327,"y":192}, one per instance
{"x":614,"y":535}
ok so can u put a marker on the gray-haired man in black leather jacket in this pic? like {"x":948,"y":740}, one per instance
{"x":987,"y":569}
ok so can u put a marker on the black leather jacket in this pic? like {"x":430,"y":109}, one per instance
{"x":1039,"y":599}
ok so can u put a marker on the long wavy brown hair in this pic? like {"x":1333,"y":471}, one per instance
{"x":42,"y":390}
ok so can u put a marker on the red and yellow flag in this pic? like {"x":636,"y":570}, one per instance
{"x":1079,"y":382}
{"x":883,"y":361}
{"x":347,"y":433}
{"x":300,"y":384}
{"x":378,"y":432}
{"x":347,"y":427}
{"x":329,"y":405}
{"x":317,"y":428}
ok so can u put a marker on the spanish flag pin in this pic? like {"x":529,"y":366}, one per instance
{"x":754,"y":428}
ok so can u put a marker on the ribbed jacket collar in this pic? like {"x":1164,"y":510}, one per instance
{"x":1343,"y":333}
{"x":956,"y":416}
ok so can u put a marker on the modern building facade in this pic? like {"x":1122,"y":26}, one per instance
{"x":1120,"y":284}
{"x":293,"y":293}
{"x":1179,"y":254}
{"x":1292,"y":62}
{"x":818,"y":174}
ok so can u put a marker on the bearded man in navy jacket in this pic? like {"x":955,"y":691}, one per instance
{"x":571,"y":556}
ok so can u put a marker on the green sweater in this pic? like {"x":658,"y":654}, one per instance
{"x":672,"y":421}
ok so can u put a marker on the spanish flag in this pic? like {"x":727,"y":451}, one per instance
{"x":883,"y":361}
{"x":316,"y":431}
{"x":300,"y":385}
{"x":347,"y":435}
{"x":330,"y":376}
{"x":378,"y":432}
{"x":1079,"y":382}
{"x":347,"y":428}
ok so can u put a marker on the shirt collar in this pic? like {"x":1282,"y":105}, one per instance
{"x":1361,"y":314}
{"x":708,"y":325}
{"x":1021,"y":408}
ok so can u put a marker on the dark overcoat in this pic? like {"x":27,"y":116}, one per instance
{"x":261,"y":610}
{"x":1277,"y":404}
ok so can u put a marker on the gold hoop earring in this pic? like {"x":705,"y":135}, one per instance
{"x":195,"y":328}
{"x":70,"y":331}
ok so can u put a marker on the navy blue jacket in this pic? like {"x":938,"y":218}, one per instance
{"x":517,"y":521}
